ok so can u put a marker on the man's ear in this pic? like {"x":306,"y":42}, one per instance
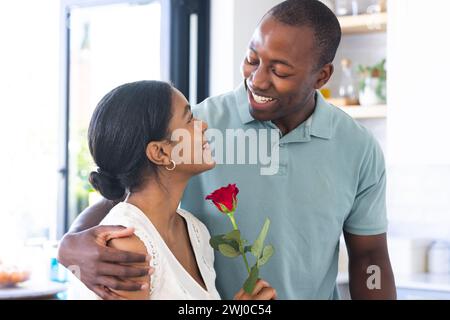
{"x":324,"y":75}
{"x":158,"y":152}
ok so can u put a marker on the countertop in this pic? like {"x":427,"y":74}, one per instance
{"x":420,"y":281}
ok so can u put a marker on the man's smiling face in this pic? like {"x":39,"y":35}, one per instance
{"x":280,"y":70}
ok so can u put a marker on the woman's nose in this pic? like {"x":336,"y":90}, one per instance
{"x":204,"y":126}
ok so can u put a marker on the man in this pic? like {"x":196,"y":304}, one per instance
{"x":330,"y":175}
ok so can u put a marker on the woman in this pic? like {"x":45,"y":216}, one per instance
{"x":130,"y":140}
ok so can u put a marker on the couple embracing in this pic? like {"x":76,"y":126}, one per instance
{"x":149,"y":237}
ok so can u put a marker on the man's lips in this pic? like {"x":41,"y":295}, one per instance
{"x":259,"y":96}
{"x":259,"y":101}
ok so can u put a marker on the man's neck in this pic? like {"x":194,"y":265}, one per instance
{"x":292,"y":121}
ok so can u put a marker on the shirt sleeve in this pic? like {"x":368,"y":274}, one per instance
{"x":368,"y":215}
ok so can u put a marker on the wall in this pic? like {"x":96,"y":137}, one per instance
{"x":418,"y":133}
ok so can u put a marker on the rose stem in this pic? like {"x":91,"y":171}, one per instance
{"x":233,"y":221}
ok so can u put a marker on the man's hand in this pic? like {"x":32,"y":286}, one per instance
{"x":101,"y":267}
{"x":262,"y":291}
{"x":363,"y":252}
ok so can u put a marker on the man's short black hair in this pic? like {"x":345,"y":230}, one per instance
{"x":317,"y":16}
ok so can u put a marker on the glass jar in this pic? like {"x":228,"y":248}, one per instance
{"x":347,"y":84}
{"x":346,"y":7}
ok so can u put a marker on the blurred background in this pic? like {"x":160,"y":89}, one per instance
{"x":58,"y":58}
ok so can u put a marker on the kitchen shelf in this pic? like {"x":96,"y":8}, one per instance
{"x":364,"y":23}
{"x":366,"y":112}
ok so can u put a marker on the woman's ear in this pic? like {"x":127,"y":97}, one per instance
{"x":158,"y":152}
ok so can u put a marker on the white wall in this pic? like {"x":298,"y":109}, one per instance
{"x":419,"y":50}
{"x":418,"y":130}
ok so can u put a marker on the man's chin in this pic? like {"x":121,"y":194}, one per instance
{"x":261,"y":115}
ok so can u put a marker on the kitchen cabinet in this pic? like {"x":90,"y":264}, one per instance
{"x":363,"y":23}
{"x":364,"y":43}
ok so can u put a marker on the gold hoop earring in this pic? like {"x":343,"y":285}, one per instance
{"x":173,"y":166}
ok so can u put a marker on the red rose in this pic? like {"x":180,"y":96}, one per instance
{"x":225,"y":198}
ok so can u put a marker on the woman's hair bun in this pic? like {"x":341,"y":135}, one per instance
{"x":108,"y":185}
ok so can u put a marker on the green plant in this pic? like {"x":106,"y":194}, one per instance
{"x":85,"y":165}
{"x":376,"y":71}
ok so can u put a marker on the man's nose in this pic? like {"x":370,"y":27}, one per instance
{"x":260,"y":79}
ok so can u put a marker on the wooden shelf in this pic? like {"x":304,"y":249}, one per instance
{"x":364,"y":23}
{"x":366,"y":112}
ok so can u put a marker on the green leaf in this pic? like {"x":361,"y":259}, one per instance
{"x":235,"y":238}
{"x":247,"y":249}
{"x":233,"y":235}
{"x":267,"y":253}
{"x":249,"y":284}
{"x":216,"y":240}
{"x":228,"y":251}
{"x":259,"y":242}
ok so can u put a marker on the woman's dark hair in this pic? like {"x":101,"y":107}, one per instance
{"x":123,"y":123}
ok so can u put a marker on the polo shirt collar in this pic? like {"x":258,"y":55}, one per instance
{"x":240,"y":94}
{"x":319,"y":124}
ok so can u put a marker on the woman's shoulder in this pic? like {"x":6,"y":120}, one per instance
{"x":130,"y":216}
{"x":124,"y":214}
{"x":144,"y":241}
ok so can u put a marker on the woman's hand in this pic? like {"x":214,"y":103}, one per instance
{"x":262,"y":291}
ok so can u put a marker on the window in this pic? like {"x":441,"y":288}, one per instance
{"x":29,"y":85}
{"x":108,"y":45}
{"x":111,"y":42}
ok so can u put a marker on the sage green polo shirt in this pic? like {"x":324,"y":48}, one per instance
{"x":330,"y":178}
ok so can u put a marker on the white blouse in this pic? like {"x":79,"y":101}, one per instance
{"x":170,"y":280}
